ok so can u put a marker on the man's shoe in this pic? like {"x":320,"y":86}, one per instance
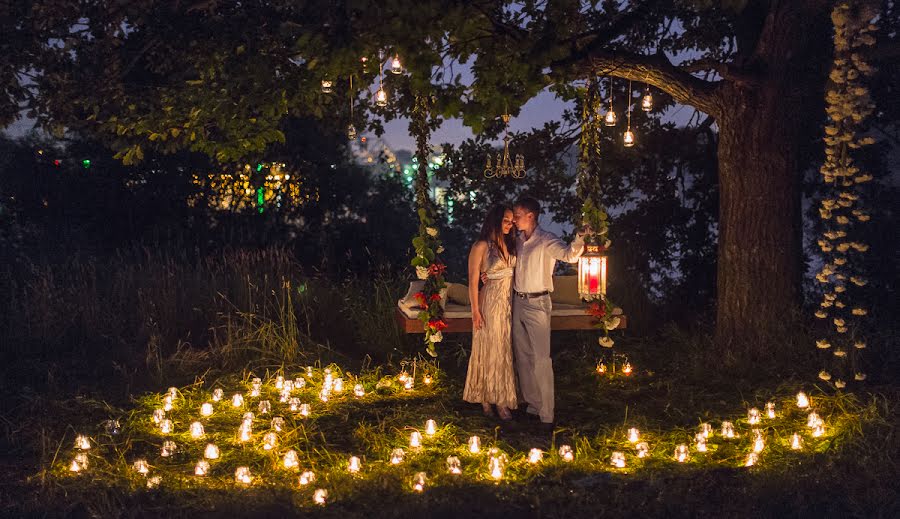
{"x":546,"y":428}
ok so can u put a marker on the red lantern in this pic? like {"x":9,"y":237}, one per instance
{"x":592,"y":273}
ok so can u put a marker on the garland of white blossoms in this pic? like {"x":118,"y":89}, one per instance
{"x":848,"y":105}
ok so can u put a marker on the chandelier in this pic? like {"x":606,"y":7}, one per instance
{"x":504,"y":166}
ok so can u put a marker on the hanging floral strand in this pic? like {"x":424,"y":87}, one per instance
{"x":588,"y":189}
{"x":426,"y":243}
{"x":848,"y":105}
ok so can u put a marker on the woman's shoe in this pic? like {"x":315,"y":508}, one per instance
{"x":488,"y":410}
{"x":504,"y":413}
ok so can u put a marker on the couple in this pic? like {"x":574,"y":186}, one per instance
{"x":511,"y":312}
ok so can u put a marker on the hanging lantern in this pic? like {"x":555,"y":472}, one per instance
{"x":628,"y":139}
{"x":396,"y":67}
{"x":381,"y":97}
{"x":647,"y":101}
{"x":610,"y":119}
{"x":327,"y":86}
{"x":592,"y":273}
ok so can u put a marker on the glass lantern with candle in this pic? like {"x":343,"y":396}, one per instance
{"x":206,"y":409}
{"x":270,"y":440}
{"x":430,"y":427}
{"x":290,"y":460}
{"x":700,"y":438}
{"x":278,"y":423}
{"x":634,"y":435}
{"x":217,"y":394}
{"x":319,"y":496}
{"x":141,"y":466}
{"x":211,"y":452}
{"x":242,"y":475}
{"x":264,"y":407}
{"x":566,"y":453}
{"x":397,"y":456}
{"x":592,"y":273}
{"x":359,"y":391}
{"x":168,"y":449}
{"x":728,"y":430}
{"x":474,"y":445}
{"x":770,"y":409}
{"x":453,"y":465}
{"x":306,"y":477}
{"x":415,"y":439}
{"x":681,"y":453}
{"x":354,"y":465}
{"x":642,"y":449}
{"x":196,"y":430}
{"x":201,"y":468}
{"x":535,"y":456}
{"x":753,"y":416}
{"x":80,"y":463}
{"x":82,"y":442}
{"x":617,"y":459}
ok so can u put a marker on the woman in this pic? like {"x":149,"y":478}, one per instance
{"x":491,"y":378}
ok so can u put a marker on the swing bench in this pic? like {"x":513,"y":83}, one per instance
{"x":568,"y":313}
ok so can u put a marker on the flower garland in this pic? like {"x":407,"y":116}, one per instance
{"x":593,"y":213}
{"x":848,"y":105}
{"x":427,"y":244}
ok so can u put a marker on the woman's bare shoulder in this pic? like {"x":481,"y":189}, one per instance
{"x":479,"y":245}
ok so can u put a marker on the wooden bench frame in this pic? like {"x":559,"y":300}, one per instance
{"x":464,"y":324}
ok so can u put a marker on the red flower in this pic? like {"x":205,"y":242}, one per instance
{"x":437,"y":325}
{"x":420,"y":298}
{"x":436,"y":297}
{"x":597,"y":310}
{"x":437,"y":269}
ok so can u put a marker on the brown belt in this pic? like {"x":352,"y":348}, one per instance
{"x":529,"y":295}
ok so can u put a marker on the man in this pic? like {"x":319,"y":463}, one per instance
{"x":537,"y":251}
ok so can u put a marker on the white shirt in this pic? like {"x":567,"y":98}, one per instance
{"x":536,"y":259}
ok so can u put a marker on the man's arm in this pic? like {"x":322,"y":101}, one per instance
{"x":568,"y":253}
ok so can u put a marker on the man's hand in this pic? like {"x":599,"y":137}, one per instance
{"x":484,"y":277}
{"x":584,"y":231}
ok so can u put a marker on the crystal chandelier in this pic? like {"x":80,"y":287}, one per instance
{"x":504,"y":166}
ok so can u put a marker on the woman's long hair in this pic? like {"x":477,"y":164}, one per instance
{"x":492,"y":230}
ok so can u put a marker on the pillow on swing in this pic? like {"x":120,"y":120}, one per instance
{"x":409,"y":300}
{"x":565,"y":290}
{"x":458,"y":293}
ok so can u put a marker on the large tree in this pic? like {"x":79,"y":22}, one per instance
{"x":219,"y":77}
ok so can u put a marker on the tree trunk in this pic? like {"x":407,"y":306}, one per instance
{"x":760,"y":129}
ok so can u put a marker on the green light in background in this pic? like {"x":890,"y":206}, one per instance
{"x":86,"y":163}
{"x":260,"y":198}
{"x":259,"y":167}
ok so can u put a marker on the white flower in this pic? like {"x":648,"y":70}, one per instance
{"x":824,"y":375}
{"x":440,"y":249}
{"x":606,"y":342}
{"x":431,"y":231}
{"x":437,"y":337}
{"x":860,"y":376}
{"x":421,"y":272}
{"x":613,"y":323}
{"x":839,"y":384}
{"x":822,"y":344}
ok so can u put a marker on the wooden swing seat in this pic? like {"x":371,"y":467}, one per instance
{"x":562,"y":317}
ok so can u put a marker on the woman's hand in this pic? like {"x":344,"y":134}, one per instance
{"x":477,"y":319}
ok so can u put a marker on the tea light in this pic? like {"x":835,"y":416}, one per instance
{"x":237,"y":400}
{"x":111,"y":426}
{"x":358,"y":390}
{"x":802,"y":400}
{"x":818,"y":430}
{"x":79,"y":463}
{"x":813,"y":420}
{"x":319,"y":496}
{"x":474,"y":444}
{"x":279,"y":382}
{"x":172,"y":392}
{"x":166,"y":426}
{"x":244,"y":432}
{"x":535,"y":456}
{"x":338,"y":386}
{"x":634,"y":435}
{"x":290,"y":459}
{"x":752,"y":458}
{"x":284,"y":396}
{"x":270,"y":439}
{"x":201,"y":468}
{"x":158,"y":416}
{"x":278,"y":423}
{"x":256,"y":384}
{"x":304,"y":410}
{"x":427,"y":380}
{"x":82,"y":442}
{"x":294,"y":404}
{"x":299,"y":383}
{"x":796,"y":442}
{"x":248,"y":417}
{"x":419,"y":482}
{"x":496,"y":467}
{"x":753,"y":416}
{"x":154,"y":481}
{"x":770,"y":409}
{"x":328,"y":382}
{"x":601,"y":368}
{"x":168,"y":448}
{"x":254,"y":392}
{"x":309,"y":371}
{"x":408,"y":385}
{"x":242,"y":475}
{"x":453,"y":465}
{"x":706,"y":430}
{"x":403,"y":376}
{"x":626,"y":369}
{"x":211,"y":452}
{"x":206,"y":409}
{"x":264,"y":407}
{"x":617,"y":460}
{"x":353,"y":465}
{"x":217,"y":394}
{"x":415,"y":439}
{"x":307,"y":477}
{"x":701,"y":442}
{"x":566,"y":453}
{"x":728,"y":430}
{"x":681,"y":453}
{"x":396,"y":456}
{"x":167,"y":403}
{"x":430,"y":427}
{"x":141,"y":466}
{"x":758,"y":442}
{"x":642,"y":449}
{"x":197,"y":430}
{"x":288,"y":386}
{"x":323,"y":395}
